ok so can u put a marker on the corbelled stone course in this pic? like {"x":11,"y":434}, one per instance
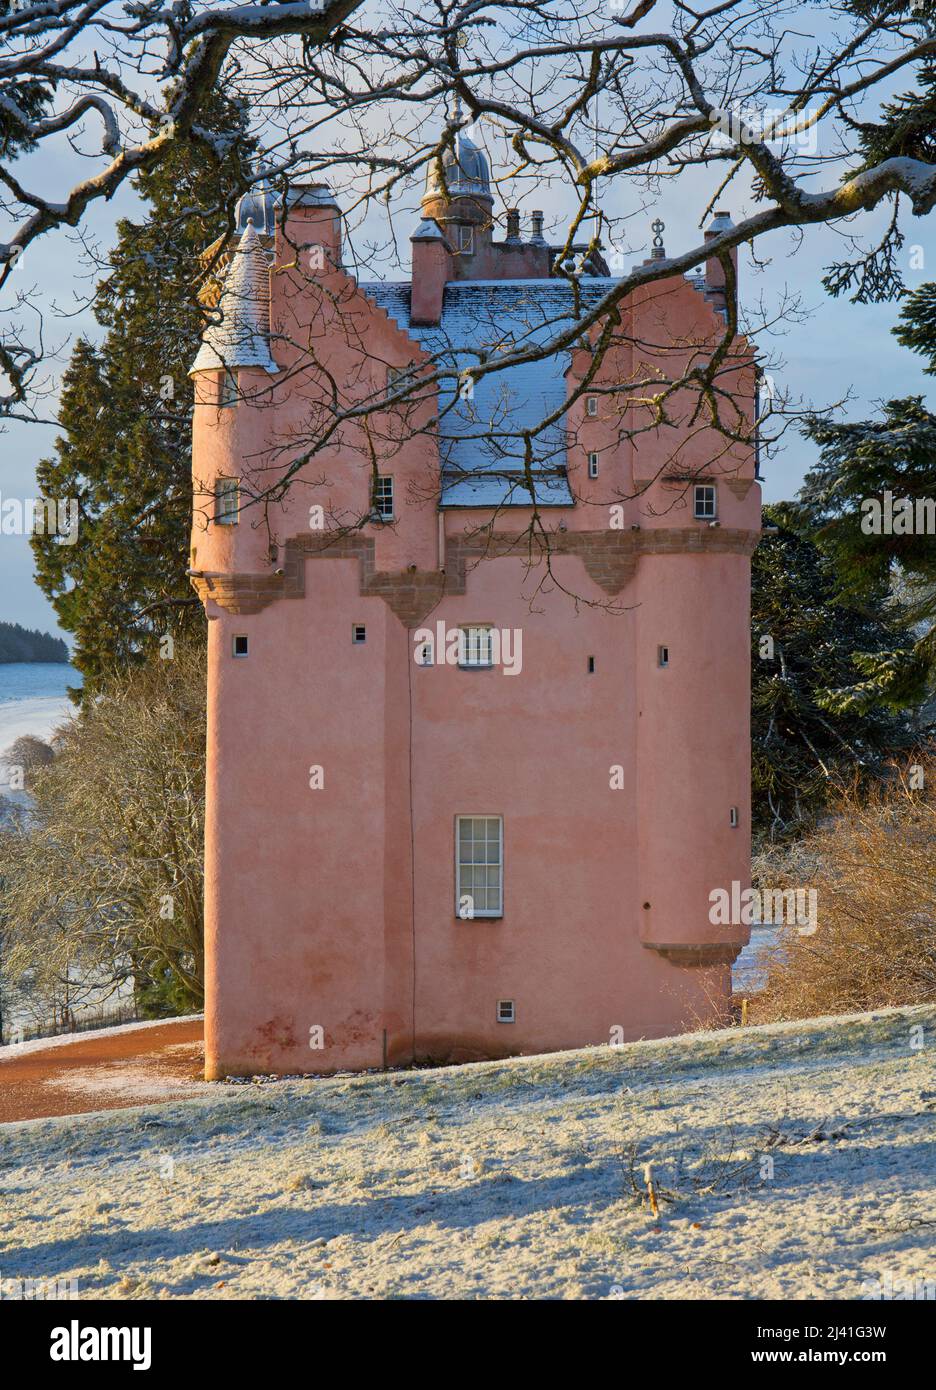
{"x":609,"y":557}
{"x":699,"y":953}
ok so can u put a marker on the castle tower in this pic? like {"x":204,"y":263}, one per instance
{"x":458,"y":198}
{"x":468,"y":795}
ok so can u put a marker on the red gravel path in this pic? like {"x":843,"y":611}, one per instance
{"x":138,"y":1067}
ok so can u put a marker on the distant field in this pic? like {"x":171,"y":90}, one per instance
{"x":800,"y":1158}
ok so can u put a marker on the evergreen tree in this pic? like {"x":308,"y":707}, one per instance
{"x":807,"y":650}
{"x":125,"y":449}
{"x":30,"y":97}
{"x":896,"y":453}
{"x":859,"y":464}
{"x":906,"y":129}
{"x":20,"y":644}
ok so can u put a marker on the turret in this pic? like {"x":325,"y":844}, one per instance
{"x":458,"y":195}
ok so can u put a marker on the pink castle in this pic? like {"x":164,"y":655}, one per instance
{"x":478,"y":700}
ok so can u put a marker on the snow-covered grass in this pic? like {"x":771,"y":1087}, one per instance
{"x":800,"y":1157}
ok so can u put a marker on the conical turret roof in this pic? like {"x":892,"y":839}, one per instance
{"x":240,"y":337}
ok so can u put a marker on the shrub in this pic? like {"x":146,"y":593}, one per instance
{"x":873,"y":864}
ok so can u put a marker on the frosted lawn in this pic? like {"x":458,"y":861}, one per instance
{"x":507,"y":1180}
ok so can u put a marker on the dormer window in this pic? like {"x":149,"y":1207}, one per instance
{"x":466,"y":241}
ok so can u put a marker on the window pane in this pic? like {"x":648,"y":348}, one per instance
{"x":479,"y":867}
{"x":226,"y":500}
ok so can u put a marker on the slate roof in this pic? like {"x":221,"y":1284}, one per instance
{"x":464,"y":171}
{"x":489,"y":316}
{"x":239,"y":337}
{"x":259,"y":206}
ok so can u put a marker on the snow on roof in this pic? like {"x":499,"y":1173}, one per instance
{"x":239,"y":337}
{"x":479,"y":319}
{"x":427,"y":231}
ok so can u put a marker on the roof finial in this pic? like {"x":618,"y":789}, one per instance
{"x":658,"y":252}
{"x":456,"y":116}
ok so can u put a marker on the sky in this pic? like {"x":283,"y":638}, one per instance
{"x":837,"y":350}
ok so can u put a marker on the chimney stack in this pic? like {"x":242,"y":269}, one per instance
{"x":536,"y":239}
{"x":513,"y":224}
{"x":432,"y":269}
{"x":715,"y":289}
{"x":312,"y":224}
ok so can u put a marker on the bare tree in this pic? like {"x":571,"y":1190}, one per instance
{"x":102,"y":878}
{"x":597,"y":106}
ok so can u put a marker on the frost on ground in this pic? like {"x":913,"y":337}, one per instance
{"x":791,"y":1161}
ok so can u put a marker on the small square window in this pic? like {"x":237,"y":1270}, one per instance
{"x":506,"y":1013}
{"x":239,"y":644}
{"x":226,"y":501}
{"x":663,"y":656}
{"x":466,"y":241}
{"x":705,"y":502}
{"x":358,"y":633}
{"x":733,"y":817}
{"x":383,"y":498}
{"x":593,"y":465}
{"x":591,"y":405}
{"x":591,"y":665}
{"x":475,"y":646}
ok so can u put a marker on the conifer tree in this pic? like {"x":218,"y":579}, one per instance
{"x":124,"y":452}
{"x":27,"y":96}
{"x":873,"y":541}
{"x":808,"y":651}
{"x":894,"y":453}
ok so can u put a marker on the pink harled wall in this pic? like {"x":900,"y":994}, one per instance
{"x":334,"y":908}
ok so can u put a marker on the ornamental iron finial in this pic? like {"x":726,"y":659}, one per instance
{"x":658,"y":253}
